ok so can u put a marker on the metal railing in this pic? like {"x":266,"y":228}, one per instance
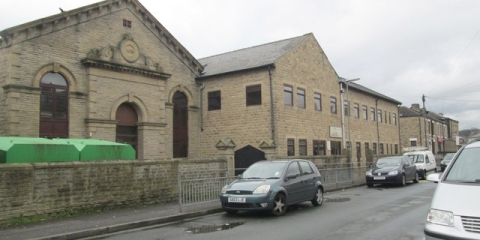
{"x":204,"y":186}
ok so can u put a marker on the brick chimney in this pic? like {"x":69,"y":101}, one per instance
{"x":416,"y":107}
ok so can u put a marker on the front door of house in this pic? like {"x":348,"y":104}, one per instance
{"x":126,"y":131}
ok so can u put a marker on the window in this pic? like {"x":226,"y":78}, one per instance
{"x":214,"y":101}
{"x":413,"y":143}
{"x":366,"y":148}
{"x":389,"y":118}
{"x":346,"y":107}
{"x":305,"y":167}
{"x":301,"y":97}
{"x":374,"y":148}
{"x":356,"y":110}
{"x":372,"y":114}
{"x":254,"y":95}
{"x":396,"y":148}
{"x":379,"y":117}
{"x":333,"y":105}
{"x":127,"y":23}
{"x":319,"y":147}
{"x":394,"y":119}
{"x":318,"y":101}
{"x":53,"y":106}
{"x":290,"y":147}
{"x":386,"y":118}
{"x":288,"y":95}
{"x":302,"y":147}
{"x":365,"y":112}
{"x":336,"y":147}
{"x":293,"y":169}
{"x":380,"y":149}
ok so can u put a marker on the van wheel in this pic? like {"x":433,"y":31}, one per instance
{"x":415,"y":180}
{"x":424,"y":174}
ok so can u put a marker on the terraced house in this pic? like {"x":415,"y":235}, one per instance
{"x":111,"y":71}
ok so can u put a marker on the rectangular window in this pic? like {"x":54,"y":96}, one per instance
{"x":302,"y":147}
{"x":301,"y":97}
{"x":127,"y":23}
{"x":214,"y":101}
{"x":333,"y":105}
{"x":356,"y":110}
{"x":396,"y":148}
{"x":394,"y":119}
{"x":358,"y":148}
{"x":372,"y":114}
{"x":254,"y":95}
{"x":365,"y":112}
{"x":366,"y":148}
{"x":389,"y":118}
{"x":290,"y":147}
{"x":318,"y":101}
{"x":374,"y":148}
{"x":319,"y":147}
{"x":413,"y":143}
{"x":288,"y":95}
{"x":379,"y":115}
{"x":336,"y":147}
{"x":386,"y":118}
{"x":346,"y":107}
{"x":380,"y":149}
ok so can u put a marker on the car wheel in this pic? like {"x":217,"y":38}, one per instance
{"x":425,"y":174}
{"x":369,"y":184}
{"x":231,"y":211}
{"x":318,"y":199}
{"x":279,"y":205}
{"x":416,"y":178}
{"x":404,"y":180}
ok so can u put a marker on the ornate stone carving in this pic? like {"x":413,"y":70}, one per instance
{"x":106,"y":54}
{"x":129,"y":49}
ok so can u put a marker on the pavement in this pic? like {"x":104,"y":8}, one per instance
{"x":89,"y":225}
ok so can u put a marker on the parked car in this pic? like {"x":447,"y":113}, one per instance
{"x":446,"y":160}
{"x":392,"y":170}
{"x":424,"y":160}
{"x":273,"y":186}
{"x":454,"y":211}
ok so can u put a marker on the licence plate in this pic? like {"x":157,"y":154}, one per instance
{"x":378,"y":178}
{"x":236,"y":199}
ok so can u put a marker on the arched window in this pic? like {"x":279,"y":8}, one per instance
{"x":53,"y":106}
{"x":127,"y":131}
{"x":180,"y":125}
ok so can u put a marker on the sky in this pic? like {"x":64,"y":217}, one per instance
{"x":403,"y":49}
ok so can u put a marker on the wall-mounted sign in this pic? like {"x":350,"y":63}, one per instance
{"x":335,"y":132}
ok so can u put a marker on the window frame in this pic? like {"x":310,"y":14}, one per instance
{"x":317,"y":101}
{"x":253,"y":95}
{"x":288,"y":92}
{"x":333,"y":104}
{"x":302,"y":147}
{"x":301,"y":98}
{"x":356,"y":110}
{"x":290,"y":147}
{"x":217,"y":95}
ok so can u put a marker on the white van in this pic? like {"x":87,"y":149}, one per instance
{"x":424,"y":160}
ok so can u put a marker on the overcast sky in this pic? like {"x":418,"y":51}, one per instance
{"x":400,"y":48}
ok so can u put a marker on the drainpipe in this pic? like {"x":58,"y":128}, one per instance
{"x":378,"y":128}
{"x":202,"y":86}
{"x":272,"y":113}
{"x":399,"y":131}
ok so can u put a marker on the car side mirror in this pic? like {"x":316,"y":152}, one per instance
{"x":434,"y":177}
{"x":291,"y":177}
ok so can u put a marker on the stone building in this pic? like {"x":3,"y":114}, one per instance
{"x":111,"y":71}
{"x":422,"y":128}
{"x":285,"y":97}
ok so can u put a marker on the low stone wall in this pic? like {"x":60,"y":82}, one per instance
{"x":47,"y":188}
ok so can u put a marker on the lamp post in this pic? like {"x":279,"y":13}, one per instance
{"x":346,"y":82}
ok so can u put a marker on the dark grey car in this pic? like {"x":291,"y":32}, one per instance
{"x":272,"y":186}
{"x":392,"y":170}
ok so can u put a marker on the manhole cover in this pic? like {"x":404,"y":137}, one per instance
{"x":213,"y":228}
{"x":337,"y":199}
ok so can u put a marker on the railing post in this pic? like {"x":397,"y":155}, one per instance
{"x":180,"y":194}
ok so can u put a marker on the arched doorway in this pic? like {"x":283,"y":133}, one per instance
{"x":127,"y":131}
{"x":180,"y":125}
{"x":53,"y":106}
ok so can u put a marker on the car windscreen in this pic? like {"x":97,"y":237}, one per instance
{"x":265,"y":170}
{"x":448,"y":156}
{"x":466,"y":168}
{"x":416,"y":158}
{"x":388,"y":162}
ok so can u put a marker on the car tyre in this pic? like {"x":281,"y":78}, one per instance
{"x":404,"y":181}
{"x":416,"y":178}
{"x":279,"y":205}
{"x":425,"y":174}
{"x":231,"y":211}
{"x":318,"y":199}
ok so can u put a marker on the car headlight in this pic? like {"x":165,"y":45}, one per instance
{"x":393,"y":172}
{"x":440,"y":217}
{"x":369,"y":173}
{"x":224,"y":189}
{"x":262,"y":189}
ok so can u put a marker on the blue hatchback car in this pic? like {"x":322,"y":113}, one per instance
{"x":273,"y":186}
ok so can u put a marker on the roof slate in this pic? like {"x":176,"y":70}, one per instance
{"x":249,"y":58}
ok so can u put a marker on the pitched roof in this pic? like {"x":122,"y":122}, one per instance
{"x":73,"y":17}
{"x":369,"y":91}
{"x":249,"y":58}
{"x":408,"y":112}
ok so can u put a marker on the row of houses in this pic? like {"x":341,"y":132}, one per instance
{"x":111,"y":71}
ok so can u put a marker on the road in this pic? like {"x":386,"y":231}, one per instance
{"x":381,"y":212}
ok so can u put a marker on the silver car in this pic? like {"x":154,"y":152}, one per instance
{"x":455,"y":209}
